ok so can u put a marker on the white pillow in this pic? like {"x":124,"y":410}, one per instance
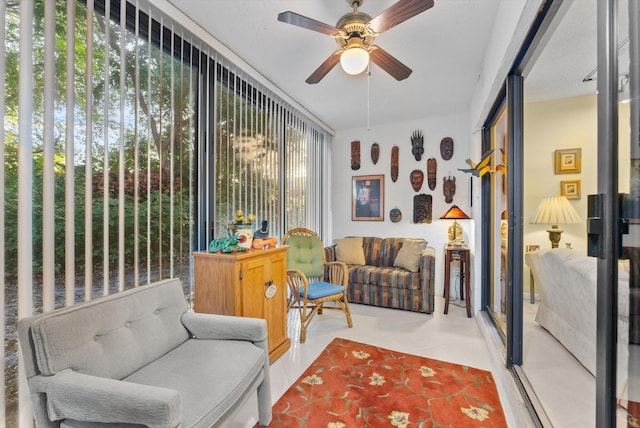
{"x":350,"y":251}
{"x":409,"y":255}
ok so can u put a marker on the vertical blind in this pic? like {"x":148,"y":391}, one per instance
{"x":133,"y":146}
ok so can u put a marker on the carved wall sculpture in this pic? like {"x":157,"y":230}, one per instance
{"x":446,"y":148}
{"x":449,"y":188}
{"x":375,"y":153}
{"x":395,"y":152}
{"x":355,"y":155}
{"x":422,"y":205}
{"x":417,"y":144}
{"x":416,"y":178}
{"x":432,"y":167}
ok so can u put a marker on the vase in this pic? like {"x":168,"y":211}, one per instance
{"x":245,"y":235}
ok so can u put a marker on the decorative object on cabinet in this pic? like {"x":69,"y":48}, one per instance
{"x":567,"y":161}
{"x":455,"y":232}
{"x":312,"y":280}
{"x":416,"y":178}
{"x":481,"y":168}
{"x":432,"y":169}
{"x":395,"y":215}
{"x":570,"y":189}
{"x":446,"y":148}
{"x":355,"y":155}
{"x":417,"y":144}
{"x":263,"y":232}
{"x":555,"y":210}
{"x":395,"y":153}
{"x":448,"y":188}
{"x":422,"y":204}
{"x":367,"y":199}
{"x":375,"y":153}
{"x":250,"y":284}
{"x":225,"y":244}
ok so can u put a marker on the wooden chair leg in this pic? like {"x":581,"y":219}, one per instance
{"x":344,"y":304}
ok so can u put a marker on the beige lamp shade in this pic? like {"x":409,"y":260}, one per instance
{"x":555,"y":210}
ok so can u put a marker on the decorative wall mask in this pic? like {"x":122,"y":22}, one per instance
{"x":355,"y":155}
{"x":449,"y":188}
{"x":422,"y":208}
{"x":395,"y":152}
{"x":446,"y":148}
{"x":417,"y":144}
{"x":417,"y":178}
{"x":432,"y":167}
{"x":375,"y":153}
{"x":395,"y":215}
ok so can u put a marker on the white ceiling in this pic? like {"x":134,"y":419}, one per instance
{"x":444,"y":46}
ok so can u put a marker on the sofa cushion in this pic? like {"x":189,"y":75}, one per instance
{"x":350,"y":250}
{"x":210,"y":376}
{"x":384,"y":277}
{"x":372,"y":250}
{"x":112,"y":336}
{"x":409,"y":255}
{"x":305,"y":254}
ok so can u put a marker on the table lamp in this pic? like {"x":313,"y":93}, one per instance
{"x":454,"y":213}
{"x":555,"y":210}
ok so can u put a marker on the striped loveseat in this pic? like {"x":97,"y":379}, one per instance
{"x":377,"y":282}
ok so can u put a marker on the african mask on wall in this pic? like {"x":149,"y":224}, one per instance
{"x":449,"y":188}
{"x":355,"y":155}
{"x":422,"y":208}
{"x":375,"y":153}
{"x":417,"y":144}
{"x":446,"y":148}
{"x":417,"y":177}
{"x":432,"y":167}
{"x":395,"y":153}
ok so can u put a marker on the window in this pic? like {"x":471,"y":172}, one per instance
{"x":128,"y":142}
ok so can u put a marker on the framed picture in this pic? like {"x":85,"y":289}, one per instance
{"x":570,"y":189}
{"x":567,"y":161}
{"x":530,"y":248}
{"x":367,"y":198}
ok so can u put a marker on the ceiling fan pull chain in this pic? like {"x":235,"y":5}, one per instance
{"x":368,"y":97}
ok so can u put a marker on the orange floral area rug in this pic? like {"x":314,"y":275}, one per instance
{"x":352,"y":384}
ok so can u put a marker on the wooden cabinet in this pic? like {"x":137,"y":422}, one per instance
{"x":238,"y":283}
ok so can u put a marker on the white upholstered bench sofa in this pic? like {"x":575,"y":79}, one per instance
{"x":139,"y":358}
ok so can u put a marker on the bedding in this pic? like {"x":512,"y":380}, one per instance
{"x":566,"y":283}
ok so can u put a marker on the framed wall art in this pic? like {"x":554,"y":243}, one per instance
{"x":367,"y":198}
{"x":567,"y":161}
{"x":570,"y":189}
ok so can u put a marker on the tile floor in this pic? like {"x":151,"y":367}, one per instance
{"x":564,"y":387}
{"x":452,"y":337}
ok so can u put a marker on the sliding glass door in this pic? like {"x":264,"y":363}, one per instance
{"x":614,"y":227}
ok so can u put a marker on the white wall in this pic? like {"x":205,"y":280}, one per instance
{"x":400,"y":194}
{"x":565,"y":124}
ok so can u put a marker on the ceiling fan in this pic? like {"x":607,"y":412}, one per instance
{"x":355,"y":33}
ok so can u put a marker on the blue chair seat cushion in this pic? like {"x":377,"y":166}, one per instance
{"x":320,"y":289}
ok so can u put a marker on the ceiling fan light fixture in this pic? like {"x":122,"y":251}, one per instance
{"x":354,"y":60}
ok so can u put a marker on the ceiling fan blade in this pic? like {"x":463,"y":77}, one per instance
{"x":324,"y":68}
{"x":308,"y":23}
{"x":398,"y":13}
{"x":388,"y":63}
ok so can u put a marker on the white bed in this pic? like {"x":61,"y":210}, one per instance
{"x":566,"y":283}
